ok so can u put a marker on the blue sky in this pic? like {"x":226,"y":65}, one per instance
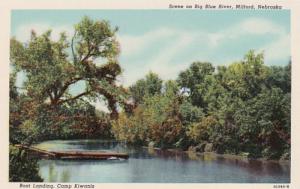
{"x":168,"y":41}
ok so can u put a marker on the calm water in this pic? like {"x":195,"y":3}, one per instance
{"x":153,"y":166}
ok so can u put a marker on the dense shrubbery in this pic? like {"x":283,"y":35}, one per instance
{"x":156,"y":119}
{"x":22,"y":168}
{"x":41,"y":122}
{"x":243,"y":108}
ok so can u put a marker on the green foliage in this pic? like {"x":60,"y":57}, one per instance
{"x":52,"y":67}
{"x":191,"y":80}
{"x":243,"y":108}
{"x":149,"y":86}
{"x":166,"y":126}
{"x":280,"y":77}
{"x":200,"y":131}
{"x":190,"y":114}
{"x":22,"y":168}
{"x":44,"y":108}
{"x":265,"y":122}
{"x":246,"y":79}
{"x":156,"y":120}
{"x":132,"y":129}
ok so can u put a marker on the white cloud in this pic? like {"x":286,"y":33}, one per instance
{"x":160,"y":63}
{"x":259,"y":26}
{"x":250,"y":26}
{"x":279,"y":50}
{"x":131,"y":45}
{"x":163,"y":62}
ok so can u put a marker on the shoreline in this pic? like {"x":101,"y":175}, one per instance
{"x":216,"y":155}
{"x":199,"y":154}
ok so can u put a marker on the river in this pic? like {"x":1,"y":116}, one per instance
{"x":155,"y":166}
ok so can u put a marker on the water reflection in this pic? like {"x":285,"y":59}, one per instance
{"x":151,"y":165}
{"x":52,"y":173}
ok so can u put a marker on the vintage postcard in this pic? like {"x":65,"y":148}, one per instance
{"x":187,"y":94}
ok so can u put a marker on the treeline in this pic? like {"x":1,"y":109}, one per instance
{"x":243,"y":109}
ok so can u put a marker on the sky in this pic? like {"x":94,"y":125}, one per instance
{"x":168,"y":41}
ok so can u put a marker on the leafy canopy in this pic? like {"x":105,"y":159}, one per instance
{"x":88,"y":57}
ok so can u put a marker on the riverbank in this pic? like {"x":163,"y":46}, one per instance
{"x":191,"y":151}
{"x":213,"y":155}
{"x":163,"y":166}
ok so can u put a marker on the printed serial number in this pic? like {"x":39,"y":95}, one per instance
{"x":281,"y":186}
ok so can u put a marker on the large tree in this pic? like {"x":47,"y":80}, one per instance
{"x":89,"y":58}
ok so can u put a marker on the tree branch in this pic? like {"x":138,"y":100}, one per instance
{"x":67,"y":84}
{"x":74,"y":98}
{"x":88,"y":54}
{"x":72,"y":47}
{"x":50,"y":95}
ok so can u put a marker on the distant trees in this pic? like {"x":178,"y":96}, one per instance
{"x":149,"y":86}
{"x":156,"y":116}
{"x":194,"y":80}
{"x":243,"y":108}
